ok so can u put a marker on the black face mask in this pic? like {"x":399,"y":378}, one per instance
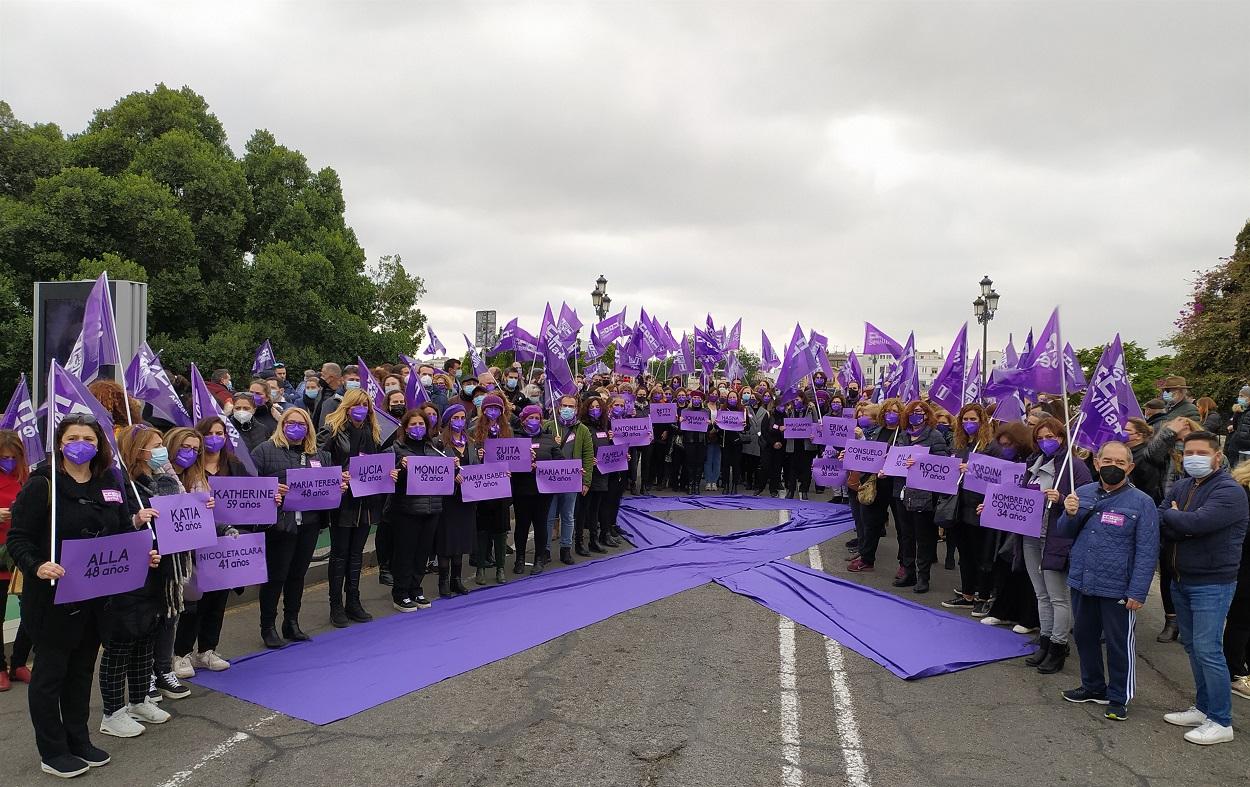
{"x":398,"y":410}
{"x":1111,"y":475}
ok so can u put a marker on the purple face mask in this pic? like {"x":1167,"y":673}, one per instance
{"x":657,"y":398}
{"x":8,"y":464}
{"x":258,"y":399}
{"x":492,"y":413}
{"x":79,"y":452}
{"x":1007,"y":452}
{"x":416,"y":430}
{"x":213,"y":443}
{"x":457,"y":424}
{"x":595,"y":412}
{"x":915,"y":419}
{"x":186,"y":457}
{"x":1048,"y":445}
{"x":618,"y":410}
{"x":532,"y":426}
{"x":358,"y":412}
{"x":863,"y":421}
{"x":891,"y":418}
{"x":971,"y":427}
{"x":295,"y":431}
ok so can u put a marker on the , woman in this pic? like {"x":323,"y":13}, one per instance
{"x":395,"y":404}
{"x":575,"y":442}
{"x":383,"y":537}
{"x":1046,"y":559}
{"x":731,"y":449}
{"x":974,"y":435}
{"x":798,"y":452}
{"x":530,"y":506}
{"x":350,"y":430}
{"x":661,"y":442}
{"x":611,"y":505}
{"x":1209,"y":416}
{"x":126,"y":666}
{"x":1014,"y":599}
{"x":457,"y":522}
{"x":772,"y":445}
{"x":89,"y":504}
{"x":492,"y":515}
{"x":678,"y":478}
{"x":710,"y":473}
{"x":918,"y":505}
{"x":586,"y":517}
{"x":199,"y":625}
{"x":870,"y":516}
{"x":1237,"y":624}
{"x":1150,"y":468}
{"x":122,"y":411}
{"x":290,"y":542}
{"x":413,"y":518}
{"x":13,"y":474}
{"x":253,"y":428}
{"x":887,"y":502}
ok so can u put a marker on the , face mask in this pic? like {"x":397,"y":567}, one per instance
{"x":468,"y":389}
{"x":488,"y":387}
{"x":835,"y":408}
{"x":358,"y":412}
{"x":416,"y":430}
{"x":891,"y":418}
{"x":696,"y":403}
{"x":493,"y":413}
{"x":185,"y":457}
{"x":1111,"y":475}
{"x":863,"y":422}
{"x":944,"y":428}
{"x":459,"y":373}
{"x":1197,"y":466}
{"x":618,"y":410}
{"x":1167,"y":397}
{"x":243,"y":416}
{"x":532,"y":426}
{"x":295,"y":431}
{"x":427,"y":380}
{"x":477,"y":400}
{"x":567,"y":414}
{"x":213,"y":443}
{"x":397,"y":410}
{"x":159,"y":457}
{"x":1243,"y":401}
{"x":915,"y":419}
{"x":457,"y":423}
{"x":767,"y":399}
{"x":512,"y":383}
{"x":657,"y":398}
{"x":352,"y":385}
{"x":683,"y":401}
{"x":535,"y":399}
{"x":258,"y":399}
{"x":1007,"y":452}
{"x":595,"y":412}
{"x":971,"y":427}
{"x":311,"y":393}
{"x":8,"y":464}
{"x":731,"y":403}
{"x":79,"y":452}
{"x":392,"y":389}
{"x":1048,"y":445}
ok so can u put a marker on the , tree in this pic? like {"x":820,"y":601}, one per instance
{"x":1142,"y":371}
{"x":1213,"y":330}
{"x":234,"y":250}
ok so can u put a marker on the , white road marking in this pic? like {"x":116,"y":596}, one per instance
{"x":848,"y":728}
{"x":791,"y":773}
{"x":218,"y":751}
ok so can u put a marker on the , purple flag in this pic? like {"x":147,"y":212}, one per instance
{"x":670,"y":341}
{"x":906,"y":384}
{"x":313,"y":488}
{"x":683,"y":364}
{"x":851,"y":371}
{"x":706,"y":345}
{"x":733,"y":368}
{"x":430,"y":475}
{"x":475,"y":358}
{"x":20,"y":417}
{"x":630,"y":358}
{"x":820,"y":349}
{"x":1104,"y":413}
{"x":1011,"y":359}
{"x":768,"y":356}
{"x":185,"y":522}
{"x":97,"y":342}
{"x":387,"y":423}
{"x":525,"y":345}
{"x":240,"y":500}
{"x":567,"y":327}
{"x":555,"y":360}
{"x":69,"y":395}
{"x":435,"y":346}
{"x":1014,"y":509}
{"x":972,"y":381}
{"x":1039,"y":369}
{"x":1009,"y":409}
{"x":1072,"y":370}
{"x":371,"y":474}
{"x":264,"y":359}
{"x":203,"y":405}
{"x":507,"y":338}
{"x":799,"y":362}
{"x":611,"y":329}
{"x":1027,"y":350}
{"x":558,"y":476}
{"x":488,"y":481}
{"x":232,"y":562}
{"x":103,"y":566}
{"x":948,"y":387}
{"x":415,"y":394}
{"x":147,"y":381}
{"x":877,"y":342}
{"x":651,"y":345}
{"x":734,"y":341}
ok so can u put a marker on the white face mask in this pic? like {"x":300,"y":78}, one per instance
{"x":243,"y":416}
{"x":1198,"y":466}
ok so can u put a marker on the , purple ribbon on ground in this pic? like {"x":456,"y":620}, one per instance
{"x":399,"y":654}
{"x":103,"y":566}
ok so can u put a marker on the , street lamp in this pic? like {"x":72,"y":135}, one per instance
{"x":983,"y":308}
{"x":600,"y":298}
